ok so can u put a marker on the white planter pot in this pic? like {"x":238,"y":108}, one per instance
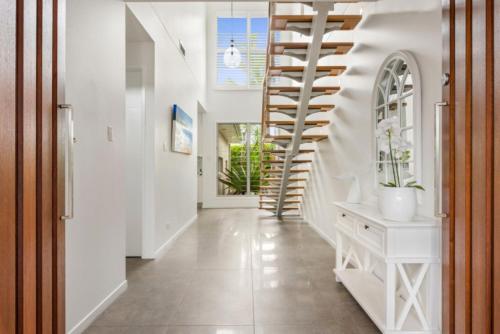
{"x":398,"y":204}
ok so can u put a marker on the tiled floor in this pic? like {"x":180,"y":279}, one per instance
{"x":237,"y":272}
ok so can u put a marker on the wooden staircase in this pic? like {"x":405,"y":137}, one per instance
{"x":289,"y":129}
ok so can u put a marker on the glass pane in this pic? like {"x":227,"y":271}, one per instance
{"x":237,"y":77}
{"x":385,"y":80}
{"x":400,"y":68}
{"x":408,"y":83}
{"x":393,"y":90}
{"x":228,"y":28}
{"x":380,"y":97}
{"x":407,"y":111}
{"x":258,"y":33}
{"x":381,"y":155}
{"x":407,"y":171}
{"x":255,"y":131}
{"x":380,"y":114}
{"x":384,"y":172}
{"x":257,"y":68}
{"x":408,"y":135}
{"x":232,"y":159}
{"x":393,"y":109}
{"x":381,"y":177}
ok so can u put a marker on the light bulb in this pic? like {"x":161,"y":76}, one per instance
{"x":232,"y":56}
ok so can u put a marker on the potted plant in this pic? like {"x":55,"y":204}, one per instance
{"x":397,"y":200}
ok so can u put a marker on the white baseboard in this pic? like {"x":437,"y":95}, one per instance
{"x":96,"y":311}
{"x":166,"y":246}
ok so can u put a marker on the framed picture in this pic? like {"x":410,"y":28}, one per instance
{"x":182,"y":131}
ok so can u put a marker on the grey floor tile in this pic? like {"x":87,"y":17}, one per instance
{"x":230,"y":271}
{"x":210,"y":330}
{"x":105,"y":330}
{"x":217,"y":297}
{"x":286,"y":329}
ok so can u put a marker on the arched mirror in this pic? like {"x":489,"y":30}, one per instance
{"x":397,"y":94}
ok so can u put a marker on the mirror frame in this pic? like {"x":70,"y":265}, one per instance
{"x":412,"y":64}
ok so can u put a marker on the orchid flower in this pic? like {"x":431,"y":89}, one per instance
{"x":398,"y":148}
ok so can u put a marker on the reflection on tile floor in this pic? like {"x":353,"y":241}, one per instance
{"x":237,"y":272}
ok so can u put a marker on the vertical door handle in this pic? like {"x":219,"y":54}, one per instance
{"x":69,"y":150}
{"x":438,"y":163}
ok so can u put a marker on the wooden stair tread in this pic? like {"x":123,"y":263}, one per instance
{"x":279,"y":22}
{"x":279,"y":179}
{"x":288,"y":187}
{"x":276,"y":195}
{"x":325,"y":89}
{"x":284,"y":208}
{"x":298,"y":161}
{"x":342,"y":47}
{"x":292,"y":171}
{"x":315,"y":122}
{"x":322,"y":107}
{"x":331,"y":70}
{"x":272,"y":201}
{"x":304,"y":137}
{"x":301,"y":151}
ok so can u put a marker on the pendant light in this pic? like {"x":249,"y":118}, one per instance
{"x":232,"y":56}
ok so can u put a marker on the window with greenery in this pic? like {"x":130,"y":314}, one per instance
{"x":250,"y":38}
{"x":238,"y":159}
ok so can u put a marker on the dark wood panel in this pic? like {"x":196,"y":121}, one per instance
{"x":482,"y":172}
{"x":462,"y":214}
{"x":59,"y":282}
{"x":7,"y":167}
{"x":496,"y":159}
{"x":26,"y":112}
{"x":45,"y":216}
{"x":448,"y":158}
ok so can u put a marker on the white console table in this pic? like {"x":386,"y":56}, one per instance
{"x":392,"y":269}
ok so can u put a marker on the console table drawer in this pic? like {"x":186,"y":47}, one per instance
{"x":346,"y":221}
{"x":372,"y":235}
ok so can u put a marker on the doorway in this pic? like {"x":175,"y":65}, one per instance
{"x":135,"y":105}
{"x":199,"y":164}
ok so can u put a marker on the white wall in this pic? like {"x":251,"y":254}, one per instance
{"x":387,"y":26}
{"x":96,"y":67}
{"x":140,"y":56}
{"x":225,"y":106}
{"x":177,"y":80}
{"x":95,"y":239}
{"x":135,"y":104}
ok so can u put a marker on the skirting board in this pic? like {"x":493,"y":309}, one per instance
{"x":89,"y":318}
{"x":163,"y":248}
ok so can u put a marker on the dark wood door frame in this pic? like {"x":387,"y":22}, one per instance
{"x":31,"y":196}
{"x":471,"y":273}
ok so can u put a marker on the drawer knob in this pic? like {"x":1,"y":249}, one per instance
{"x":367,"y":227}
{"x":343,"y":215}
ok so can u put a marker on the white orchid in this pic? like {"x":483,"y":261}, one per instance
{"x":393,"y":144}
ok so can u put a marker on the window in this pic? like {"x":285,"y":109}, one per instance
{"x":250,"y":37}
{"x":238,"y":159}
{"x":397,"y":94}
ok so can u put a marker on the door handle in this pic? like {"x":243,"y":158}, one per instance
{"x":438,"y":163}
{"x":69,"y":151}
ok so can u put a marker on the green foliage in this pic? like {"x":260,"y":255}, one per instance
{"x":411,"y":184}
{"x":235,"y":177}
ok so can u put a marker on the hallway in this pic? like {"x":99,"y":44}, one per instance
{"x":237,"y":271}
